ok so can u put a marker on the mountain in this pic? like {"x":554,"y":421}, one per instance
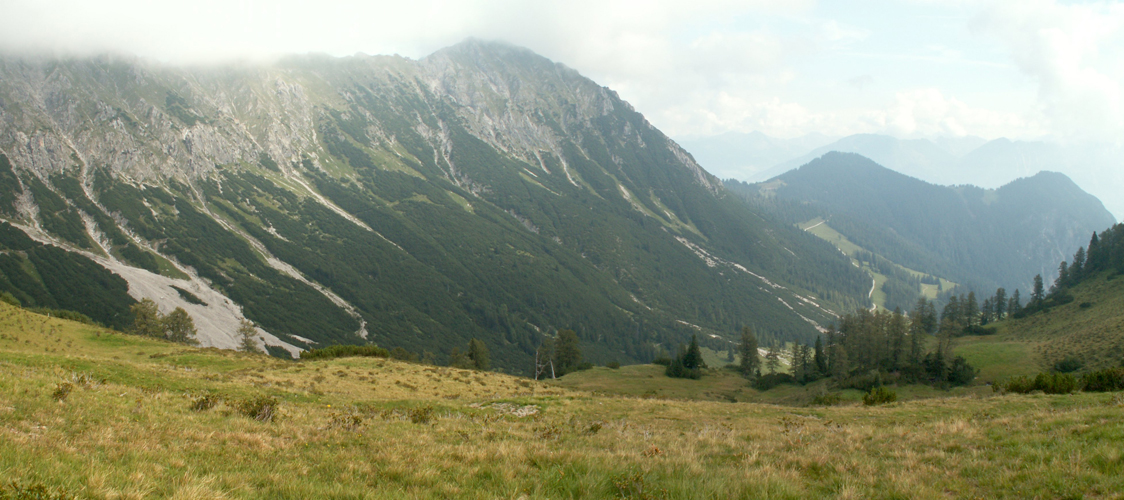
{"x":742,"y":155}
{"x":481,"y":192}
{"x":973,"y":160}
{"x":984,"y":238}
{"x":919,"y":158}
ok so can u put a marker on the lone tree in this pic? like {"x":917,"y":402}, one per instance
{"x":247,"y":332}
{"x":692,"y":359}
{"x":179,"y":327}
{"x":146,"y":319}
{"x":751,"y":361}
{"x":478,"y":355}
{"x":567,"y":351}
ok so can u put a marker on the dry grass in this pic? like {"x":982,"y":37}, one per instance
{"x":385,"y":429}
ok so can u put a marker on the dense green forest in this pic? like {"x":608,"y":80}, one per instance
{"x":982,"y":239}
{"x":45,"y":276}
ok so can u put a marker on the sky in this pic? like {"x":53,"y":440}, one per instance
{"x":1025,"y":69}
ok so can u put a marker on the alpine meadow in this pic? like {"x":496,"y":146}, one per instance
{"x":734,"y":251}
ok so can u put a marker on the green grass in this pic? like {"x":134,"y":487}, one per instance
{"x":821,"y":229}
{"x":1094,"y":334}
{"x":376,"y":428}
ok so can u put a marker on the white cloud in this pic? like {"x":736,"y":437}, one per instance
{"x":1076,"y":55}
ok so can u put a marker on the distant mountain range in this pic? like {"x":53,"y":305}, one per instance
{"x":983,"y":238}
{"x":1099,"y":169}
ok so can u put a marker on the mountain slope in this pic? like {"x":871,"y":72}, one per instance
{"x":483,"y":191}
{"x":984,"y":238}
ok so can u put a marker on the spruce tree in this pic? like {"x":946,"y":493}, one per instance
{"x":1039,"y":292}
{"x":478,"y":355}
{"x":246,"y":334}
{"x":692,"y":358}
{"x":751,"y":360}
{"x":820,"y":357}
{"x":1000,"y":303}
{"x":567,"y":351}
{"x":971,"y":310}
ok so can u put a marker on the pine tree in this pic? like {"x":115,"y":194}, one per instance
{"x":1014,"y":305}
{"x":246,"y":334}
{"x":1039,"y":292}
{"x":820,"y":357}
{"x":1063,"y":277}
{"x":799,"y":363}
{"x":751,"y":360}
{"x":971,"y":310}
{"x":478,"y":355}
{"x":567,"y":351}
{"x":773,"y":359}
{"x":1000,"y":303}
{"x":692,"y":358}
{"x":1077,"y":269}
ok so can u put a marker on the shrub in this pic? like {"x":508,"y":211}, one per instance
{"x":1056,"y":383}
{"x":345,"y":351}
{"x":879,"y":395}
{"x":1068,"y":365}
{"x":613,"y":365}
{"x":960,"y":372}
{"x":1049,"y":383}
{"x":826,"y":399}
{"x":421,"y":415}
{"x":260,"y":408}
{"x":1085,"y":305}
{"x":62,"y":391}
{"x":204,"y":403}
{"x":1109,"y":379}
{"x":766,"y":382}
{"x":16,"y":491}
{"x":662,"y":361}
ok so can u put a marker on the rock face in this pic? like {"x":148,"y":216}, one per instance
{"x":483,"y":191}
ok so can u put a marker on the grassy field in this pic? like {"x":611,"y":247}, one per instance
{"x":821,"y":229}
{"x":97,"y":414}
{"x":1090,"y":328}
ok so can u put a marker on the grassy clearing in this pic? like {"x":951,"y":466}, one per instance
{"x":1093,"y":332}
{"x":144,"y":418}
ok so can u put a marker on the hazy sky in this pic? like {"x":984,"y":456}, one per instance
{"x":923,"y":68}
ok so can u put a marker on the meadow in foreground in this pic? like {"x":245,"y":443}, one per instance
{"x":89,"y":413}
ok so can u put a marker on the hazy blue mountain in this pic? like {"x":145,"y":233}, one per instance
{"x":920,"y":158}
{"x":739,"y":155}
{"x":982,"y":237}
{"x":481,"y":192}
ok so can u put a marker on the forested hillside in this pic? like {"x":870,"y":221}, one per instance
{"x":977,"y":237}
{"x":483,"y":192}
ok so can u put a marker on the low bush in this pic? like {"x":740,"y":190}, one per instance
{"x":62,"y":391}
{"x":613,"y":365}
{"x":826,"y":399}
{"x":421,"y":415}
{"x":766,"y":382}
{"x":260,"y":408}
{"x":1107,"y":380}
{"x":1049,"y":383}
{"x":205,"y":402}
{"x":346,"y":351}
{"x":879,"y":396}
{"x":1068,"y":365}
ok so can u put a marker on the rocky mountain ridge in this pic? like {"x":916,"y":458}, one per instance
{"x":483,"y":191}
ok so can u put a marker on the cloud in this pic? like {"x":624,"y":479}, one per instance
{"x":1076,"y":55}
